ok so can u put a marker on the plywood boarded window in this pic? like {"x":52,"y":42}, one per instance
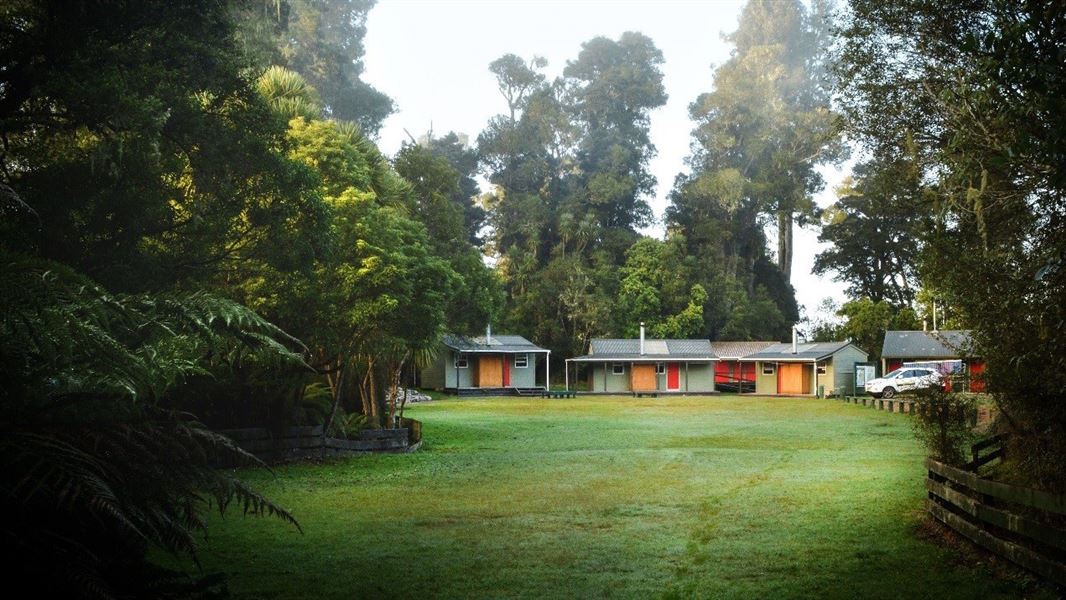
{"x":643,"y":379}
{"x":490,"y":371}
{"x":794,"y":378}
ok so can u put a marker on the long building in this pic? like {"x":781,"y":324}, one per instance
{"x":642,"y":365}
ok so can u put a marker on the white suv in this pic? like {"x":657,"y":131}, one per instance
{"x":904,"y":380}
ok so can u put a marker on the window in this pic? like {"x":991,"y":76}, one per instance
{"x":660,"y":368}
{"x":521,"y":361}
{"x":821,"y":368}
{"x":461,"y":361}
{"x":769,"y":368}
{"x":618,"y":368}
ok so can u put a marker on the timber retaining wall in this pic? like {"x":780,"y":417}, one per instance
{"x":295,"y":443}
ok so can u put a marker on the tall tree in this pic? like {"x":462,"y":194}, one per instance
{"x":767,"y":123}
{"x":141,"y":153}
{"x":612,"y":87}
{"x":379,"y":293}
{"x":444,"y":202}
{"x":977,"y":88}
{"x":457,"y":183}
{"x":874,"y":232}
{"x":517,"y":80}
{"x":322,"y":40}
{"x":522,"y":157}
{"x":569,"y":162}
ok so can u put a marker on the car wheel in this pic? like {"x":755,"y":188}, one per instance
{"x":888,"y":392}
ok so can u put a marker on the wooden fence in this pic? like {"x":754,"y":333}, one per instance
{"x":900,"y":405}
{"x":911,"y":406}
{"x":1025,"y":526}
{"x":308,"y":442}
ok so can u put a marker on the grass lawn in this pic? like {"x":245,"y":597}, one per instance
{"x":610,"y":497}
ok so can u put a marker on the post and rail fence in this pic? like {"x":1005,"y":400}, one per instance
{"x":1020,"y":524}
{"x":1023,"y":525}
{"x":907,"y":405}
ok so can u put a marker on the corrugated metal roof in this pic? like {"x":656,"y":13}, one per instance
{"x":653,"y":348}
{"x":947,"y":343}
{"x":807,"y":351}
{"x":737,"y":350}
{"x":498,"y":343}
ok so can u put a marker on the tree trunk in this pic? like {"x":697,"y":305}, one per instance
{"x":366,"y":392}
{"x":406,"y":391}
{"x":784,"y":244}
{"x":394,"y":385}
{"x":335,"y":381}
{"x":374,"y":401}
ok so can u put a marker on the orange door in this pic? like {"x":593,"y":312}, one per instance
{"x":490,"y":371}
{"x":790,"y":379}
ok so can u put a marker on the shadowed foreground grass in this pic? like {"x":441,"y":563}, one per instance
{"x":609,"y":497}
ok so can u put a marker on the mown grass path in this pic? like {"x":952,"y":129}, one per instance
{"x":609,"y":497}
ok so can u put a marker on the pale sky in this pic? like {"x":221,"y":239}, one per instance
{"x":432,"y":57}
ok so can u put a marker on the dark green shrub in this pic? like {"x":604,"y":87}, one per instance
{"x":944,"y":423}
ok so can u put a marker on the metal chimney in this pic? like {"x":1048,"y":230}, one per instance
{"x":934,"y":316}
{"x":488,"y":334}
{"x":642,"y":338}
{"x":925,"y":324}
{"x":794,"y":336}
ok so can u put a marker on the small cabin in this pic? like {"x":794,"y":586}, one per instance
{"x":801,"y":369}
{"x":487,"y":365}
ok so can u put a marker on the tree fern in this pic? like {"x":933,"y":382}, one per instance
{"x":97,"y":465}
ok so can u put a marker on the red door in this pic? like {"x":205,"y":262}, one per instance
{"x":506,"y":371}
{"x":673,"y":376}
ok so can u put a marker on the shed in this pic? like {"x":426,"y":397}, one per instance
{"x":902,"y":347}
